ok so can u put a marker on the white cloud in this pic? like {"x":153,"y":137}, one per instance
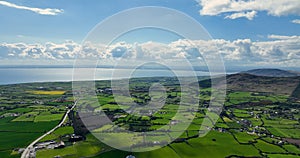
{"x":237,"y":7}
{"x":67,"y":50}
{"x":249,"y":15}
{"x":278,"y":50}
{"x":46,"y":11}
{"x":296,"y":21}
{"x":281,"y":37}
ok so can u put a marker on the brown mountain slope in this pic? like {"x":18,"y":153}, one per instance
{"x":296,"y":93}
{"x":276,"y":85}
{"x":252,"y":83}
{"x":273,"y":73}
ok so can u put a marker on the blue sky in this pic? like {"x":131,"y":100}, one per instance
{"x":79,"y":17}
{"x":234,"y":21}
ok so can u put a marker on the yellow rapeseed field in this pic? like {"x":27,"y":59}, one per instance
{"x":47,"y":92}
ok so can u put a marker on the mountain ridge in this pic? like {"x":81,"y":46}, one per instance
{"x":284,"y":85}
{"x":272,"y":72}
{"x":254,"y":83}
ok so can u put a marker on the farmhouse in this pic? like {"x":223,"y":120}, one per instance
{"x":130,"y":156}
{"x":75,"y":138}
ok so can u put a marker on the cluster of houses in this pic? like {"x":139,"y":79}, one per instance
{"x":9,"y":115}
{"x":43,"y":145}
{"x":104,"y":90}
{"x":50,"y":145}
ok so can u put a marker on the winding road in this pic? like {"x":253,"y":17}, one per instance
{"x":26,"y":153}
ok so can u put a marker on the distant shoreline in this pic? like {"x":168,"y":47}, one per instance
{"x":17,"y":74}
{"x":228,"y":69}
{"x":98,"y":80}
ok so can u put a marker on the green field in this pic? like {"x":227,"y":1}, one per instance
{"x":268,"y":148}
{"x":292,"y":149}
{"x":243,"y":137}
{"x":90,"y":147}
{"x":58,"y":133}
{"x":282,"y":156}
{"x":253,"y":124}
{"x":242,"y":97}
{"x":199,"y":147}
{"x":48,"y":117}
{"x":20,"y":134}
{"x":27,"y":117}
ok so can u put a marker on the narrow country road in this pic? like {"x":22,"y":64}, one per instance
{"x":29,"y":148}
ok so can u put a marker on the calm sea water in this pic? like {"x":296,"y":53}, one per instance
{"x":27,"y":75}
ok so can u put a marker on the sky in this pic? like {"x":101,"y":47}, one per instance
{"x":262,"y":33}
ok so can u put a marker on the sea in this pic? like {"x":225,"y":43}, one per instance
{"x":17,"y":75}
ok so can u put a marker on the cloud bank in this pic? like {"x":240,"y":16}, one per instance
{"x":278,"y":50}
{"x":233,"y":9}
{"x":46,"y":11}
